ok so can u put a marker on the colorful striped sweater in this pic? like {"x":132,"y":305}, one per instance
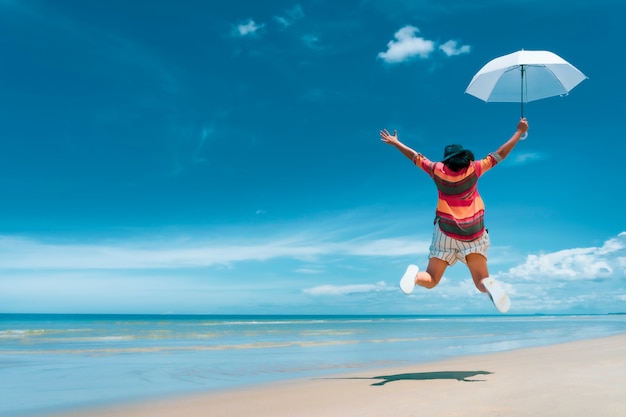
{"x":460,"y":209}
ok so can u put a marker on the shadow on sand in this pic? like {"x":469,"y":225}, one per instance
{"x":423,"y":376}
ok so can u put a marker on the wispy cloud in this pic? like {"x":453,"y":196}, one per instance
{"x":286,"y":19}
{"x":290,"y":16}
{"x":523,"y":158}
{"x":311,"y":271}
{"x":175,"y":252}
{"x":109,"y":275}
{"x":334,"y":290}
{"x":248,"y":28}
{"x":452,"y":48}
{"x":23,"y":253}
{"x":311,"y":41}
{"x":407,"y":46}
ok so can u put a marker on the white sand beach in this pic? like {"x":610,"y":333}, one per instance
{"x":577,"y":379}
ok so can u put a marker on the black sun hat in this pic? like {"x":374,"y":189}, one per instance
{"x":451,"y":151}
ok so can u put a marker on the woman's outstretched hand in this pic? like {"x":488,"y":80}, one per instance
{"x":386,"y":137}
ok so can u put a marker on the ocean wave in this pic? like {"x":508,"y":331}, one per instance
{"x":220,"y":347}
{"x":17,"y":333}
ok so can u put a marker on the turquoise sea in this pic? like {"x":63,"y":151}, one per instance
{"x":52,"y":363}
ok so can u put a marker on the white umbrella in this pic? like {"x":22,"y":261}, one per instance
{"x":524,"y":76}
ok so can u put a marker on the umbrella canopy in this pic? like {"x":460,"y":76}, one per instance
{"x":524,"y":76}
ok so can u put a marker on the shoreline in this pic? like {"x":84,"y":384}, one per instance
{"x":574,"y":379}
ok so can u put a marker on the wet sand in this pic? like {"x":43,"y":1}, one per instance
{"x":577,"y":379}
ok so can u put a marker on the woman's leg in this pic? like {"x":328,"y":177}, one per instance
{"x":477,"y":265}
{"x":431,"y":277}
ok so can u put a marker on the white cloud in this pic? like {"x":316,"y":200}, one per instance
{"x":248,"y":28}
{"x":333,"y":290}
{"x":579,"y":264}
{"x":452,"y":48}
{"x":613,"y":245}
{"x":407,"y":46}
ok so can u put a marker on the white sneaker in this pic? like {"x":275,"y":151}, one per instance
{"x":407,"y":283}
{"x":497,"y":295}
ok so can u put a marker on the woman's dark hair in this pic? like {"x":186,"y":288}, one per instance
{"x":460,"y":161}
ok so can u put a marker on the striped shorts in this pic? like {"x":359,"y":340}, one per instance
{"x":451,"y":250}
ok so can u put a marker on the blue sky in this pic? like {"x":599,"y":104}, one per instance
{"x":224,"y":157}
